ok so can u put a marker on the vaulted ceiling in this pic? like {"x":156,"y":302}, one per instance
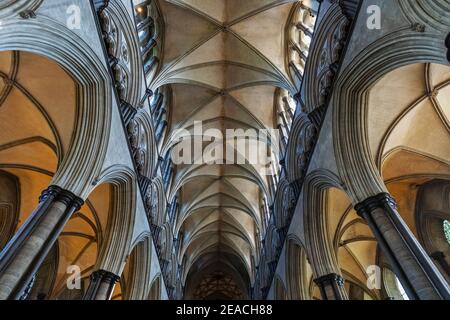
{"x":410,"y":131}
{"x":226,"y":62}
{"x":38,"y":106}
{"x":409,"y":135}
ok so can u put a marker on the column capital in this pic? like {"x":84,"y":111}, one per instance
{"x":57,"y":193}
{"x":101,"y":285}
{"x":104,"y":276}
{"x":330,"y":279}
{"x":382,"y":200}
{"x":50,"y":192}
{"x":70,"y":199}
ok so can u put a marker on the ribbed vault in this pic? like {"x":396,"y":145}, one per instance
{"x":225,"y":63}
{"x":38,"y":110}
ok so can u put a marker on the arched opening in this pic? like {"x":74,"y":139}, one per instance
{"x":280,"y":290}
{"x":80,"y":243}
{"x":47,"y":93}
{"x":135,"y":279}
{"x":218,"y":286}
{"x":217,"y":280}
{"x":155,"y":289}
{"x":392,"y":287}
{"x":412,"y":159}
{"x":355,"y":246}
{"x":298,"y":271}
{"x":38,"y":110}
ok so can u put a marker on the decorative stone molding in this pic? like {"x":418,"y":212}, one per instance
{"x":155,"y":202}
{"x":330,"y":38}
{"x":297,"y":277}
{"x":301,"y":142}
{"x":27,"y":14}
{"x":127,"y":68}
{"x":44,"y":36}
{"x":329,"y":279}
{"x":326,"y":53}
{"x":150,"y":26}
{"x":355,"y":162}
{"x":101,"y":285}
{"x":289,"y":199}
{"x":24,"y":8}
{"x":418,"y":27}
{"x":120,"y":227}
{"x":143,"y":148}
{"x":122,"y":49}
{"x":317,"y":242}
{"x":284,"y":206}
{"x":138,"y":279}
{"x":331,"y":287}
{"x":428,"y":13}
{"x":349,"y":7}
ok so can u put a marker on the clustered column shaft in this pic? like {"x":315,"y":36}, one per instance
{"x":415,"y":270}
{"x":25,"y":252}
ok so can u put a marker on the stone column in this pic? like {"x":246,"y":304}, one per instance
{"x":25,"y":252}
{"x":101,"y":286}
{"x":331,"y":287}
{"x":447,"y":44}
{"x":413,"y":267}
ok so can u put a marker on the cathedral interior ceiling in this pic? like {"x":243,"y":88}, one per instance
{"x":225,"y":62}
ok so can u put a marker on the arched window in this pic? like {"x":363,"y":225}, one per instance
{"x":394,"y":289}
{"x":300,"y":36}
{"x":446,"y":226}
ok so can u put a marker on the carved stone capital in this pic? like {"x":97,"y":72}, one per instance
{"x":382,"y":200}
{"x":330,"y":280}
{"x":56,"y":193}
{"x":104,"y":276}
{"x":27,"y":14}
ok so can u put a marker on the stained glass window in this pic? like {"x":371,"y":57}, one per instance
{"x":447,"y":230}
